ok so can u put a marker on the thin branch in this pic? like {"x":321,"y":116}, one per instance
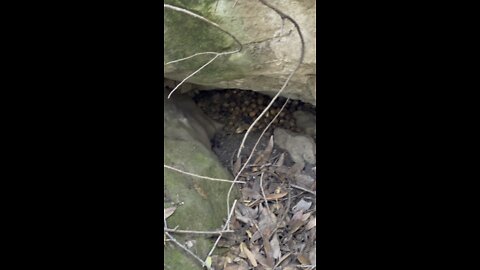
{"x":263,"y":192}
{"x":303,"y":189}
{"x":192,"y":56}
{"x":193,"y":74}
{"x":185,"y":248}
{"x":225,"y":227}
{"x":300,"y":61}
{"x":235,"y":180}
{"x":182,"y":10}
{"x":197,"y":232}
{"x":203,"y":177}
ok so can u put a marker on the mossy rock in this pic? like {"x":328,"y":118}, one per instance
{"x":202,"y":204}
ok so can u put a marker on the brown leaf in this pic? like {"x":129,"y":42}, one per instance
{"x":302,"y":205}
{"x":284,"y":257}
{"x":249,"y":193}
{"x":265,"y":155}
{"x":297,"y":221}
{"x":167,"y":212}
{"x":304,"y":181}
{"x":280,"y":160}
{"x":303,"y":259}
{"x":260,"y":258}
{"x":311,"y":224}
{"x":275,"y":244}
{"x":313,"y":256}
{"x":295,"y":169}
{"x":249,"y":254}
{"x":276,"y":196}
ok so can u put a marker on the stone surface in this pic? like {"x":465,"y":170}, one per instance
{"x":201,"y":203}
{"x":271,"y":48}
{"x":306,"y":121}
{"x":300,"y":147}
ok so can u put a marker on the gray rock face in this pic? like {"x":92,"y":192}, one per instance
{"x":300,"y":147}
{"x":306,"y":122}
{"x":184,"y":120}
{"x":271,"y":48}
{"x":201,"y":204}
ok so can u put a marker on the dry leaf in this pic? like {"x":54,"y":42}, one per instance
{"x":265,"y":155}
{"x":304,"y":181}
{"x":313,"y":256}
{"x":283,"y":258}
{"x":295,"y":169}
{"x":276,"y":196}
{"x":167,"y":212}
{"x":297,"y":221}
{"x":302,"y":205}
{"x":260,"y":258}
{"x":275,"y":244}
{"x":311,"y":224}
{"x":280,"y":160}
{"x":303,"y":259}
{"x":249,"y":254}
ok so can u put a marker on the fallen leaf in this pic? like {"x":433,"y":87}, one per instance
{"x":249,"y":254}
{"x":265,"y":155}
{"x":167,"y":212}
{"x":313,"y":256}
{"x":275,"y":244}
{"x":280,"y":160}
{"x":295,"y":169}
{"x":311,"y":224}
{"x":284,"y":257}
{"x":208,"y":262}
{"x":276,"y":196}
{"x":303,"y":259}
{"x":297,"y":221}
{"x":302,"y":205}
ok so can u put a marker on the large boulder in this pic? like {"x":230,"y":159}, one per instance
{"x":271,"y":48}
{"x":201,"y":203}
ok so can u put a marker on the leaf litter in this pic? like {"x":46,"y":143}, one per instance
{"x":275,"y":222}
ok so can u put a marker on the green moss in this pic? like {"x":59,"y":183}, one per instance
{"x":185,"y":35}
{"x":202,"y":203}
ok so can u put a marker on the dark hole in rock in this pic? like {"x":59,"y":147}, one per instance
{"x":236,"y":110}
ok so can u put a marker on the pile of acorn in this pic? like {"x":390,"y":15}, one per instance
{"x":237,"y":109}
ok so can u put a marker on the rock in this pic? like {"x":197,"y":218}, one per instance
{"x":201,"y":203}
{"x":186,"y":121}
{"x":271,"y":47}
{"x":300,"y":147}
{"x":307,"y":122}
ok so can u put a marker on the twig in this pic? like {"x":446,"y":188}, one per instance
{"x":235,"y":180}
{"x":182,"y":10}
{"x":311,"y":266}
{"x":300,"y":61}
{"x":193,"y":74}
{"x":197,"y":232}
{"x":190,"y":57}
{"x":203,"y":177}
{"x":184,"y":248}
{"x":225,"y":227}
{"x":303,"y":189}
{"x":263,"y":192}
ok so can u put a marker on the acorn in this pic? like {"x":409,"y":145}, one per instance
{"x":260,"y":100}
